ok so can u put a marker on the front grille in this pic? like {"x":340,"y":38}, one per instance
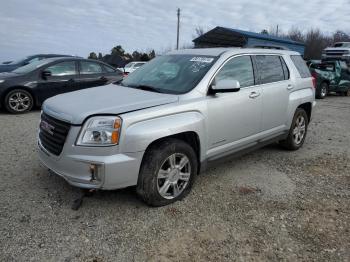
{"x":53,"y":133}
{"x":336,"y":52}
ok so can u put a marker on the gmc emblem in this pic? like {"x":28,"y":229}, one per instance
{"x":47,"y":127}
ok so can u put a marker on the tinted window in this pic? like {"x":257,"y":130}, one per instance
{"x":270,"y":68}
{"x":301,"y":66}
{"x":240,"y":69}
{"x":62,"y":69}
{"x":285,"y":69}
{"x":109,"y":69}
{"x":90,"y":68}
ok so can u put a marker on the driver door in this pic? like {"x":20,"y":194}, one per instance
{"x":63,"y":78}
{"x":235,"y":117}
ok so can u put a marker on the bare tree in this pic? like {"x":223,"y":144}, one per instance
{"x":198,"y":31}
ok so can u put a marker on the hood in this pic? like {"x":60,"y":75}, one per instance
{"x":76,"y":106}
{"x":7,"y":68}
{"x":5,"y":75}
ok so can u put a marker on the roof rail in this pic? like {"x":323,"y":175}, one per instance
{"x":270,"y":47}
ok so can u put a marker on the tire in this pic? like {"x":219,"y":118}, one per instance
{"x":322,"y":92}
{"x":18,"y":101}
{"x":347,"y":93}
{"x":297,"y":132}
{"x":160,"y":184}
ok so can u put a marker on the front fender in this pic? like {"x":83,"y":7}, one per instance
{"x":140,"y":135}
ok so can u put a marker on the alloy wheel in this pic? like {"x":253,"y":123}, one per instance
{"x":299,"y":129}
{"x":19,"y":102}
{"x":173,"y":176}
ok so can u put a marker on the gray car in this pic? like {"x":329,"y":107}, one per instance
{"x":163,"y":124}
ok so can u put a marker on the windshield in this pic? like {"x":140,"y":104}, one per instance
{"x":30,"y":67}
{"x":342,"y":45}
{"x":19,"y":61}
{"x":174,"y":74}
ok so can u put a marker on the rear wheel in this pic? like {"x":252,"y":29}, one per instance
{"x":297,"y":132}
{"x":18,"y":101}
{"x":167,"y":172}
{"x":323,"y":91}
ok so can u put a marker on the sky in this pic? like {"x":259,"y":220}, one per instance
{"x":81,"y":26}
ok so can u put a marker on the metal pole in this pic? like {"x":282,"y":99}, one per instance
{"x":178,"y":28}
{"x":277,"y":31}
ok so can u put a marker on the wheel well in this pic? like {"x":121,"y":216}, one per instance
{"x":189,"y":137}
{"x":307,"y":107}
{"x":326,"y":81}
{"x":20,"y":87}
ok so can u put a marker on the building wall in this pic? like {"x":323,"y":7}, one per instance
{"x":256,"y":42}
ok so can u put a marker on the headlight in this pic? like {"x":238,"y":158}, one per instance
{"x":100,"y":131}
{"x":2,"y":81}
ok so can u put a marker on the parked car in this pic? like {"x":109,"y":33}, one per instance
{"x":175,"y":115}
{"x":339,"y":51}
{"x":30,"y":85}
{"x":131,"y":67}
{"x":331,"y":76}
{"x":9,"y":66}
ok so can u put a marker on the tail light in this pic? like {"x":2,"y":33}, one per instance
{"x":314,"y":77}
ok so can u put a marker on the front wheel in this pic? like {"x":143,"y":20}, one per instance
{"x":167,"y":172}
{"x":18,"y":101}
{"x":297,"y":132}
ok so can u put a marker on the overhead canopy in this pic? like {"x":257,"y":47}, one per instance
{"x":228,"y":37}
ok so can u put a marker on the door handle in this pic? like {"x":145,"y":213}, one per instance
{"x":290,"y":86}
{"x":254,"y":95}
{"x":103,"y":78}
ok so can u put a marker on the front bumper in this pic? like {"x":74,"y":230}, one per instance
{"x":113,"y":170}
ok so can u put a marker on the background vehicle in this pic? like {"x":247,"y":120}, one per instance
{"x":172,"y":117}
{"x":131,"y":67}
{"x":9,"y":66}
{"x":331,"y":76}
{"x":339,"y":51}
{"x":30,"y":85}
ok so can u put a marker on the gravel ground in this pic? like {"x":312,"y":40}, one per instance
{"x":268,"y":205}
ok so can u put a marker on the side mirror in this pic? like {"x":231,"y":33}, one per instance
{"x":45,"y":74}
{"x":225,"y":86}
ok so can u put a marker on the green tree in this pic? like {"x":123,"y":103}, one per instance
{"x":117,"y":50}
{"x":152,"y":54}
{"x":92,"y":55}
{"x":144,"y":57}
{"x":100,"y":57}
{"x":264,"y":31}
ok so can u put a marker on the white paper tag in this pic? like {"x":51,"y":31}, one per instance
{"x":202,"y":59}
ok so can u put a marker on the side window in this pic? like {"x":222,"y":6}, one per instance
{"x":238,"y":68}
{"x":62,"y":69}
{"x":301,"y":66}
{"x":285,"y":69}
{"x":109,"y":69}
{"x":270,"y":68}
{"x":87,"y":68}
{"x":34,"y":60}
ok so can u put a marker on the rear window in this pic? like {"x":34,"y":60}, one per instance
{"x":301,"y":66}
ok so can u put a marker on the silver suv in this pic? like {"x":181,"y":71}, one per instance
{"x":162,"y":125}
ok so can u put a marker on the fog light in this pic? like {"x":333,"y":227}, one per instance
{"x":94,"y":172}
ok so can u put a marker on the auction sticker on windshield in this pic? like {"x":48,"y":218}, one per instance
{"x":202,"y":59}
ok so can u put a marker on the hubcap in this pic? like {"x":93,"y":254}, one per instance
{"x":323,"y":91}
{"x":173,"y":176}
{"x":299,"y":130}
{"x":19,"y":102}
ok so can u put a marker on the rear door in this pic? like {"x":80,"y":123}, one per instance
{"x":91,"y":74}
{"x":64,"y":76}
{"x":273,"y":77}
